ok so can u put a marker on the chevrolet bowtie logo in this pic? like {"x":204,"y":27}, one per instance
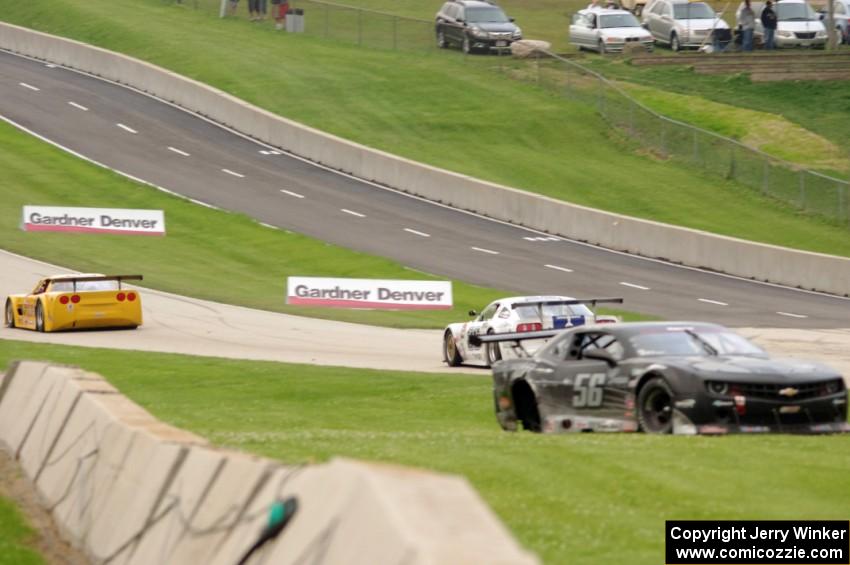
{"x":789,"y":392}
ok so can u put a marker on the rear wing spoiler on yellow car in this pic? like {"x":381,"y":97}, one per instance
{"x":118,"y":278}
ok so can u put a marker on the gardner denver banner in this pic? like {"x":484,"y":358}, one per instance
{"x":369,"y":293}
{"x":93,"y":220}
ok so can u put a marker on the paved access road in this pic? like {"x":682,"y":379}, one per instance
{"x":160,"y":144}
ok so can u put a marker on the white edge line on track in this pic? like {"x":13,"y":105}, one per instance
{"x":126,"y":128}
{"x":271,"y":227}
{"x":233,"y":173}
{"x":101,"y":165}
{"x":792,"y":315}
{"x":31,"y":87}
{"x":637,"y":286}
{"x":421,"y":198}
{"x":178,"y":151}
{"x":78,"y":106}
{"x":352,"y":213}
{"x":417,"y":232}
{"x":482,"y":250}
{"x":715,"y":302}
{"x":290,"y":193}
{"x":557,"y":268}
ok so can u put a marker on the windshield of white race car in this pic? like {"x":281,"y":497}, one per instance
{"x":691,"y":343}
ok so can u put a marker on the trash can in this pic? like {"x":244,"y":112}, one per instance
{"x":295,"y":20}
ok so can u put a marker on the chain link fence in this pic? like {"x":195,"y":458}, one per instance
{"x":659,"y":136}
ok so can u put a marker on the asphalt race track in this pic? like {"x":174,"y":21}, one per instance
{"x":153,"y":141}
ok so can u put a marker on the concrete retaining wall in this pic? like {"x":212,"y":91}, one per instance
{"x":650,"y":239}
{"x":126,"y":488}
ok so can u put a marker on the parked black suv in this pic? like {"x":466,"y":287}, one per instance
{"x":475,"y":25}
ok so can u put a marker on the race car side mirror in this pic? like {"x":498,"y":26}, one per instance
{"x":473,"y":313}
{"x":600,"y":355}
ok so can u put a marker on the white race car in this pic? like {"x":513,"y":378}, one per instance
{"x":517,"y":314}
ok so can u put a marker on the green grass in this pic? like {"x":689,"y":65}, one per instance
{"x":207,"y":253}
{"x":15,"y":537}
{"x":581,"y":499}
{"x":433,"y":107}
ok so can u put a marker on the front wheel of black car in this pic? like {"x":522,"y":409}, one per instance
{"x":450,"y":352}
{"x":525,"y":406}
{"x":467,"y":45}
{"x":655,"y":407}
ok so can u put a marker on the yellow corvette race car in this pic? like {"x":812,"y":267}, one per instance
{"x":68,"y":302}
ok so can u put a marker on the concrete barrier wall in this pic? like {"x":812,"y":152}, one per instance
{"x":650,"y":239}
{"x":126,"y":488}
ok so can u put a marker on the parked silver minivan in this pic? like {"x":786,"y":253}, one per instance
{"x":798,"y":24}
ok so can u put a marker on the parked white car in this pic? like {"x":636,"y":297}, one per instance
{"x":798,"y":24}
{"x":681,"y":23}
{"x":517,"y":314}
{"x":607,"y":31}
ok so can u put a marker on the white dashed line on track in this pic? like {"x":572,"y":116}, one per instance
{"x":541,"y":238}
{"x":233,"y":173}
{"x":50,"y":66}
{"x":715,"y":302}
{"x":78,"y":106}
{"x":126,"y":128}
{"x":271,"y":227}
{"x":290,"y":193}
{"x":31,"y":87}
{"x":637,"y":286}
{"x":557,"y":268}
{"x":792,"y":315}
{"x":482,"y":250}
{"x":352,"y":212}
{"x":178,"y":151}
{"x":268,"y":152}
{"x":419,"y":233}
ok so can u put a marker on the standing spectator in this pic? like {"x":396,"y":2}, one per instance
{"x":233,"y":5}
{"x":768,"y":20}
{"x":747,"y":21}
{"x":279,"y":9}
{"x":262,"y":10}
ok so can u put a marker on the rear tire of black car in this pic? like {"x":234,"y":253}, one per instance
{"x":525,"y":406}
{"x":467,"y":46}
{"x":450,"y":353}
{"x":39,"y":317}
{"x":10,"y":314}
{"x":674,"y":43}
{"x":655,"y":407}
{"x":494,"y":352}
{"x":441,"y":39}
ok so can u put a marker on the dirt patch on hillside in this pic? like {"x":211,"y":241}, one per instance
{"x":17,"y":488}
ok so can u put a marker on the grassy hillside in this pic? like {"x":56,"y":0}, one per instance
{"x":582,"y":499}
{"x":433,"y":107}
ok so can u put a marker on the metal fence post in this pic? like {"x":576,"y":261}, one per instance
{"x":327,"y":21}
{"x":395,"y":33}
{"x":765,"y":185}
{"x":732,"y":162}
{"x":567,"y":86}
{"x":842,"y":205}
{"x":803,"y":190}
{"x":631,"y":119}
{"x":601,"y":98}
{"x":696,"y":147}
{"x":359,"y":27}
{"x":663,"y":137}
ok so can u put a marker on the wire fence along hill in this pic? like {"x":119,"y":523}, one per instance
{"x":663,"y":137}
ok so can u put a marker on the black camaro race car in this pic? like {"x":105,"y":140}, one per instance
{"x":662,"y":377}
